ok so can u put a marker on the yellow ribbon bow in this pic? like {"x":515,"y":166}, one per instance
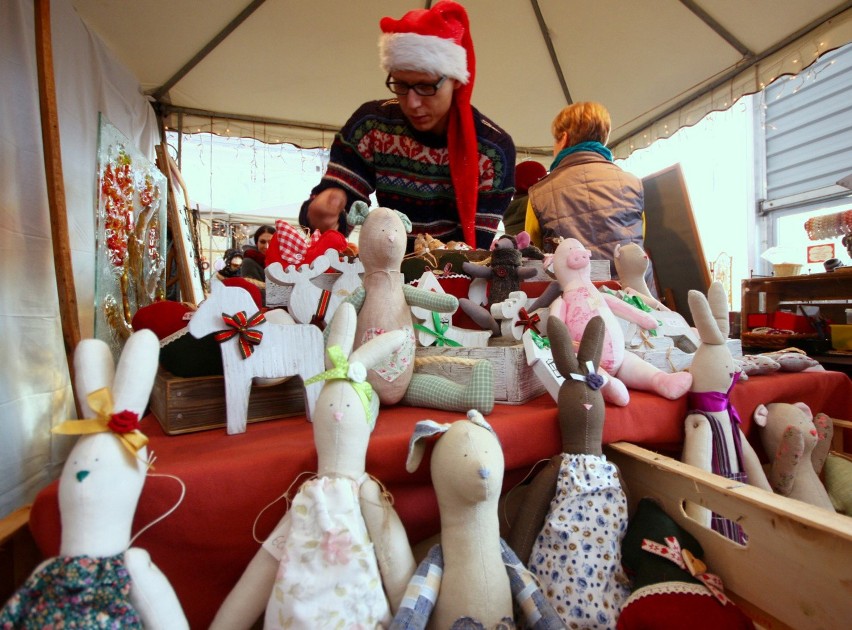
{"x":123,"y":424}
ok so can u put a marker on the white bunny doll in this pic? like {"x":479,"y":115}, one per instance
{"x":713,"y":440}
{"x":96,"y":580}
{"x":340,"y":553}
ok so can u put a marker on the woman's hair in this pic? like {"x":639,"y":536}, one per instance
{"x":583,"y":122}
{"x":263,"y":229}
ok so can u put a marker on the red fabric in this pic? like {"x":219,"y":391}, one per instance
{"x":681,"y":611}
{"x":206,"y":544}
{"x":528,"y":173}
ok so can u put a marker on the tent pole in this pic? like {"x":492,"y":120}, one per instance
{"x":56,"y":188}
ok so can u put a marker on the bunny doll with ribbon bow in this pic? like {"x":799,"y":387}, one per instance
{"x":340,"y":553}
{"x":569,"y":527}
{"x":98,"y":579}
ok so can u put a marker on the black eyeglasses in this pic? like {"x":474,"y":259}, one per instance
{"x":401,"y":88}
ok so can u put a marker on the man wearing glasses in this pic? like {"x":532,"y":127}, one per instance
{"x":427,"y":153}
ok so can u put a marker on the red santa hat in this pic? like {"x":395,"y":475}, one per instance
{"x":437,"y":41}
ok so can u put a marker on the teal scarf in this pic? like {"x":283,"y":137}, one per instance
{"x":596,"y":147}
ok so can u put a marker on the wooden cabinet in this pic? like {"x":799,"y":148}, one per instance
{"x":831,"y":291}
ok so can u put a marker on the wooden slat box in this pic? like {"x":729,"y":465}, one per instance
{"x":514,"y":380}
{"x":185,"y":405}
{"x":795,"y":571}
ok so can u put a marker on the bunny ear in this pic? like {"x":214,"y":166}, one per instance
{"x":702,"y":316}
{"x":591,"y":346}
{"x":341,"y":331}
{"x":477,"y":418}
{"x":93,"y":370}
{"x":134,"y":376}
{"x":562,"y":346}
{"x":357,"y":213}
{"x":718,"y":301}
{"x":378,"y":349}
{"x":417,"y":446}
{"x":523,"y":239}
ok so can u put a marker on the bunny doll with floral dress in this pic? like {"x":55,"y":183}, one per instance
{"x":98,"y":580}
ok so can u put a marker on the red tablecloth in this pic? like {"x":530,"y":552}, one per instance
{"x":206,"y":543}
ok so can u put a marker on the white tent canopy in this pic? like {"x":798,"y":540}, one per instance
{"x":656,"y":64}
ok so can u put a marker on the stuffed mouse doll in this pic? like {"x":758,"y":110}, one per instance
{"x":505,"y":272}
{"x":569,"y":527}
{"x":384,"y":303}
{"x":472,"y":579}
{"x":98,"y":579}
{"x":797,"y":443}
{"x":340,"y":552}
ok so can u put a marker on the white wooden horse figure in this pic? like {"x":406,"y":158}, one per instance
{"x":254,"y":347}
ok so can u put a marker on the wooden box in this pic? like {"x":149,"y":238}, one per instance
{"x":795,"y":569}
{"x":185,"y":405}
{"x":514,"y":380}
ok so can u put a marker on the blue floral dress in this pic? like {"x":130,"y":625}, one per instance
{"x":74,"y":592}
{"x":577,"y":555}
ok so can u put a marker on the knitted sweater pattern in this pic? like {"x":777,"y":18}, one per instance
{"x":378,"y":151}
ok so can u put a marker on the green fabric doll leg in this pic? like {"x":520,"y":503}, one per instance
{"x":437,"y":392}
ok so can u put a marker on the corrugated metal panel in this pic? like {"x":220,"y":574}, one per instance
{"x":808,"y":127}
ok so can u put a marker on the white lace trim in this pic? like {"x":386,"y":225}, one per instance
{"x":174,"y":336}
{"x":669,"y":588}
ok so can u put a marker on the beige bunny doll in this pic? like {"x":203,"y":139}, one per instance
{"x":98,"y":580}
{"x":472,"y":579}
{"x":713,"y":440}
{"x":340,"y":552}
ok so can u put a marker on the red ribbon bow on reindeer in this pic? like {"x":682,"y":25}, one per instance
{"x":528,"y":321}
{"x":241,"y":326}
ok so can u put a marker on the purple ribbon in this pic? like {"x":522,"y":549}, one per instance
{"x":716,"y":401}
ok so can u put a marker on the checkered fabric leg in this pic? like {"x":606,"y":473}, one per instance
{"x":437,"y":392}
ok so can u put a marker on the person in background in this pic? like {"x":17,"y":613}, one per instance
{"x":586,"y":196}
{"x":233,"y":260}
{"x":427,"y":152}
{"x":527,"y":173}
{"x":254,"y":256}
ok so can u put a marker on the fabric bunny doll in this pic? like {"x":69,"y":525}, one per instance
{"x":671,"y":587}
{"x":471,"y":578}
{"x":568,"y":529}
{"x":505,"y":272}
{"x":797,"y":443}
{"x":98,"y":580}
{"x":713,"y":440}
{"x":632,"y":264}
{"x":384,"y":303}
{"x":581,"y":300}
{"x":340,"y":552}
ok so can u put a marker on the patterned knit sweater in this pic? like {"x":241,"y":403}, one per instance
{"x":378,"y":151}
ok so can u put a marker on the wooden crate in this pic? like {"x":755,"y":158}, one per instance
{"x":185,"y":405}
{"x":514,"y":380}
{"x":794,"y":571}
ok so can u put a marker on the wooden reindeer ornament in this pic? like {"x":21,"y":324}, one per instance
{"x":253,"y":347}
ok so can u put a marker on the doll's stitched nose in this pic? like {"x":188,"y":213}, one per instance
{"x":82,"y":474}
{"x":338,"y":415}
{"x":484,"y":473}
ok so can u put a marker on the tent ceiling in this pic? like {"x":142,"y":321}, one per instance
{"x":311,"y":63}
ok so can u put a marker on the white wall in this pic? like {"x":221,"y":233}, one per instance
{"x":35,"y":392}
